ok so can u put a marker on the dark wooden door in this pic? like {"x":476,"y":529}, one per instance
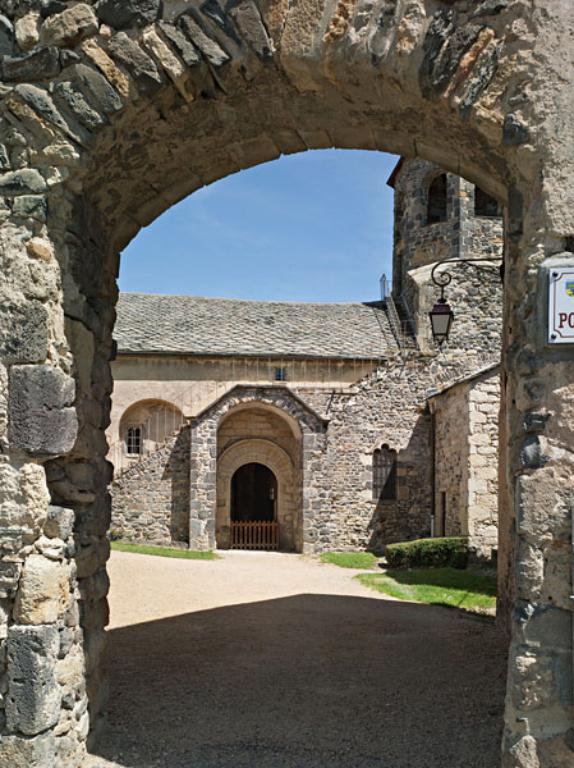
{"x":253,"y":493}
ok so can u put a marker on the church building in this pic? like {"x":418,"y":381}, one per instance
{"x":308,"y":427}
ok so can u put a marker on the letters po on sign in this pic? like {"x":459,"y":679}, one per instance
{"x":561,"y":306}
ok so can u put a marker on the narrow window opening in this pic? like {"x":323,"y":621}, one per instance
{"x":442,"y":528}
{"x":134,"y":443}
{"x":280,"y":374}
{"x":437,"y":200}
{"x":384,"y":474}
{"x":485,"y":204}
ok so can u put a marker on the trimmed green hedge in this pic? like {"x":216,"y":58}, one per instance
{"x":429,"y":553}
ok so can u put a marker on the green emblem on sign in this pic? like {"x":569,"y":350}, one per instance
{"x":570,"y":289}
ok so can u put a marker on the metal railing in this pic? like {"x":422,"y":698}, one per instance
{"x":401,"y":329}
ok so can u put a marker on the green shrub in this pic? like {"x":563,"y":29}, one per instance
{"x":429,"y":553}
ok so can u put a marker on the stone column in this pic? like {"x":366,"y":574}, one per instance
{"x":53,"y":476}
{"x":539,"y":431}
{"x":203,"y":482}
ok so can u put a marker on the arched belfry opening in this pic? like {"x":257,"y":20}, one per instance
{"x":437,"y":200}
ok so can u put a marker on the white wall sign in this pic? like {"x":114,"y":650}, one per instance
{"x":561,"y":306}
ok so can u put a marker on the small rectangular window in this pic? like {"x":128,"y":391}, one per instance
{"x":280,"y":374}
{"x":134,"y":443}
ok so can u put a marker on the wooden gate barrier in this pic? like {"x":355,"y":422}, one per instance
{"x":254,"y":534}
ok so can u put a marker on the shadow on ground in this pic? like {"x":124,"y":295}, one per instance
{"x":307,"y":682}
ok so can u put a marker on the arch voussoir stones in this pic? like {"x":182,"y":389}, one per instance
{"x":113,"y":110}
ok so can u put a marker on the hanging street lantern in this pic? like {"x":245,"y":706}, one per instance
{"x":441,"y":317}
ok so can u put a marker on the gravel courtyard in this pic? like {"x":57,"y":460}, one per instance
{"x":265,"y":660}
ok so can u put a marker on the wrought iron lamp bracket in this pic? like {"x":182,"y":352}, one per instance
{"x":444,"y":278}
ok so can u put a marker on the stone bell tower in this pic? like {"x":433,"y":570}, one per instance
{"x":439,"y":215}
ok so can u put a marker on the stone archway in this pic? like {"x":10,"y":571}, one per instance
{"x":113,"y":111}
{"x":289,"y":491}
{"x":303,"y":429}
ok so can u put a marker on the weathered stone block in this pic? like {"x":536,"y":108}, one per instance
{"x":33,"y":698}
{"x":33,"y":206}
{"x":21,"y":182}
{"x":181,"y":44}
{"x":43,"y":591}
{"x":209,"y":48}
{"x":549,"y":627}
{"x":128,"y":52}
{"x":98,"y":87}
{"x":247,"y":17}
{"x":77,"y":103}
{"x":42,"y":423}
{"x":531,"y":455}
{"x":20,"y":752}
{"x":41,"y":102}
{"x":9,"y":576}
{"x":514,"y":132}
{"x":37,"y":65}
{"x":6,"y":36}
{"x":70,"y":26}
{"x":535,"y":421}
{"x":59,"y":523}
{"x":10,"y":541}
{"x":122,"y":13}
{"x":24,"y":333}
{"x":27,"y":30}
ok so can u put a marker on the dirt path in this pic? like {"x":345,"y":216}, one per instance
{"x":276,"y":661}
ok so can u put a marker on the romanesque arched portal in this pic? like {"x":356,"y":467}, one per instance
{"x":113,"y":110}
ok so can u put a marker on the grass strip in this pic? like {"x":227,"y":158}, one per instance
{"x":350,"y":559}
{"x":468,"y":590}
{"x":150,"y":549}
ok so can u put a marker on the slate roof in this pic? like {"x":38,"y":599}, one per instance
{"x":191,"y":325}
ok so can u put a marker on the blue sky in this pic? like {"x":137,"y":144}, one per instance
{"x":316,"y":226}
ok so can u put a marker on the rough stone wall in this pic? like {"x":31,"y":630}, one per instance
{"x":151,"y":498}
{"x":451,"y":461}
{"x":386,"y":406}
{"x":484,"y":407}
{"x":110,"y":113}
{"x":475,"y":297}
{"x":466,"y":418}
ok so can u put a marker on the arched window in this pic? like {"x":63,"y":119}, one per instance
{"x":437,"y":200}
{"x":134,"y":442}
{"x":384,"y":474}
{"x":485,"y":204}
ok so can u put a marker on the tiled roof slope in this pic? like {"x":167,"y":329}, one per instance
{"x":149,"y":323}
